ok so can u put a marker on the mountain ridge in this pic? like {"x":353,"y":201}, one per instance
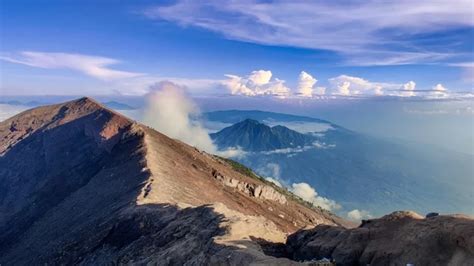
{"x":70,"y":167}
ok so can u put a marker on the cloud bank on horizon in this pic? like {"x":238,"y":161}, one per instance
{"x":257,"y":83}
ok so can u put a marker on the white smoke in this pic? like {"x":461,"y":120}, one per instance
{"x":357,"y":215}
{"x":170,"y":111}
{"x":306,"y":192}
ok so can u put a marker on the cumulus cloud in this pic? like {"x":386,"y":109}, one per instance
{"x":358,"y":215}
{"x":260,"y":77}
{"x":344,"y":85}
{"x":408,"y":89}
{"x":305,"y":84}
{"x":349,"y":85}
{"x":439,"y":91}
{"x":307,"y":193}
{"x":94,"y":66}
{"x":170,"y":111}
{"x":258,"y":82}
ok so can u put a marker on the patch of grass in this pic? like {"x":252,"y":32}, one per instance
{"x":242,"y":169}
{"x":248,"y":172}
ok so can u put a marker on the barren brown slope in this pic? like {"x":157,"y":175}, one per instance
{"x":82,"y":184}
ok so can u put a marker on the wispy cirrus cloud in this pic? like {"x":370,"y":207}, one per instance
{"x":365,"y":32}
{"x":94,"y":66}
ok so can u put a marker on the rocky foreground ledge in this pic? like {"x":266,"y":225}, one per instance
{"x":399,"y":238}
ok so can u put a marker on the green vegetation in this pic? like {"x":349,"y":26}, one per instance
{"x":242,"y":169}
{"x":248,"y":172}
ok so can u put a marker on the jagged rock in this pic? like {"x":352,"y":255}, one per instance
{"x":395,"y":239}
{"x":251,"y":189}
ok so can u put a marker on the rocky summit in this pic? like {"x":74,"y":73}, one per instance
{"x":81,"y":184}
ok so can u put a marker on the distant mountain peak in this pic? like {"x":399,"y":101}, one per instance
{"x":252,"y":135}
{"x":250,"y":121}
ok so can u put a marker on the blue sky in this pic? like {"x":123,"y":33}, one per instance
{"x":253,"y":48}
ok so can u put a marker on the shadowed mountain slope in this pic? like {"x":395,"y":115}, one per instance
{"x":80,"y":184}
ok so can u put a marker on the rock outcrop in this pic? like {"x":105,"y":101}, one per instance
{"x":254,"y":190}
{"x":399,"y":238}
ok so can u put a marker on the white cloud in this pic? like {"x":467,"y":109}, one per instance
{"x":343,"y":88}
{"x":94,"y":66}
{"x":368,"y":32}
{"x":358,"y":215}
{"x":256,"y":83}
{"x":307,"y":193}
{"x":349,"y":85}
{"x":288,"y":150}
{"x":408,"y":89}
{"x":305,"y":84}
{"x":439,"y":91}
{"x":344,"y":85}
{"x":232,"y":152}
{"x":173,"y":113}
{"x":260,"y":77}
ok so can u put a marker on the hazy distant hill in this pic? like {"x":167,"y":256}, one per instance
{"x":118,"y":106}
{"x":254,"y":136}
{"x":356,"y":170}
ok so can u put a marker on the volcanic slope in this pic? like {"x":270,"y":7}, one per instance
{"x":81,"y":184}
